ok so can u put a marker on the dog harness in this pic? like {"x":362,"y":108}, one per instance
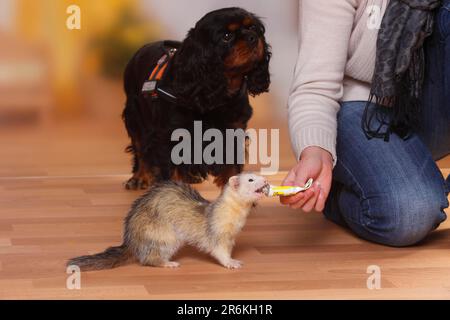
{"x":151,"y":87}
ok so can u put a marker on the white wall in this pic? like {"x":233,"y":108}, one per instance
{"x":6,"y":14}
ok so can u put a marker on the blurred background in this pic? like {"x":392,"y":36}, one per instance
{"x":61,"y":90}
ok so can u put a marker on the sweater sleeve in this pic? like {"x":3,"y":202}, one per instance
{"x":325,"y":28}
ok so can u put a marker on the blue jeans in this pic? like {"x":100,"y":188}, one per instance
{"x":392,"y":192}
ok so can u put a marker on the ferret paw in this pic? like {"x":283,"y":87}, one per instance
{"x":233,"y":264}
{"x":170,"y":264}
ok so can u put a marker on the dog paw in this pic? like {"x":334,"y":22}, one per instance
{"x":137,"y":183}
{"x":233,"y":264}
{"x":131,"y":184}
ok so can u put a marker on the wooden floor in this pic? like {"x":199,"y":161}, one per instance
{"x":61,"y":196}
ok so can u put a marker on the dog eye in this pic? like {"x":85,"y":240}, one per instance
{"x":227,"y":36}
{"x":253,"y":27}
{"x":250,"y":180}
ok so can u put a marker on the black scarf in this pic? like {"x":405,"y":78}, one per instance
{"x":399,"y":68}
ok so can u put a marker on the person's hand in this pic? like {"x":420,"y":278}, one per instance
{"x":316,"y":163}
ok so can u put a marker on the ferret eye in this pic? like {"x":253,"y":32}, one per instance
{"x":228,"y":36}
{"x":250,"y":180}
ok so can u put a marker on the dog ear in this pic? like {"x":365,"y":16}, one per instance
{"x":258,"y":80}
{"x":198,"y":73}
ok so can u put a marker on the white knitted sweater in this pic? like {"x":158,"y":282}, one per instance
{"x":336,"y":60}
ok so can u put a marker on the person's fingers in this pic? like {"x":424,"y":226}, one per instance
{"x":320,"y":204}
{"x":292,"y":179}
{"x":325,"y":186}
{"x":298,"y":176}
{"x":291,"y":199}
{"x":301,"y":177}
{"x":325,"y":178}
{"x":306,"y":196}
{"x":289,"y":180}
{"x":324,"y":181}
{"x":310,"y":204}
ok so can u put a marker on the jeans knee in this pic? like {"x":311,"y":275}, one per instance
{"x":404,"y":220}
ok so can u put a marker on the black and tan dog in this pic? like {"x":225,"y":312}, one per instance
{"x":207,"y":77}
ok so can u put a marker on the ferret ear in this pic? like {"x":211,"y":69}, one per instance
{"x":233,"y":182}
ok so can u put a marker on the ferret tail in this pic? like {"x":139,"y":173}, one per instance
{"x":110,"y":258}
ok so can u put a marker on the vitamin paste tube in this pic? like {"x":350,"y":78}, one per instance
{"x":273,"y":191}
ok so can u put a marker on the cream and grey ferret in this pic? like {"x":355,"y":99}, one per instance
{"x":172,"y":214}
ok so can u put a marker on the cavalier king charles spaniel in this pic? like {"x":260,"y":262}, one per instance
{"x":207,"y":77}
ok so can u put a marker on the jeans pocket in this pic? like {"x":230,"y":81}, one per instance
{"x":443,"y":20}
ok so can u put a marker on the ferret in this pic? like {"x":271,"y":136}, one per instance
{"x":172,"y":214}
